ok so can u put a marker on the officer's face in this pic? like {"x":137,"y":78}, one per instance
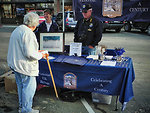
{"x":88,"y":14}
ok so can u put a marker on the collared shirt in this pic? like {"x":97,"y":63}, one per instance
{"x":48,"y":25}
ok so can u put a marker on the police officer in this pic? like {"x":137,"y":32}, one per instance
{"x":88,"y":31}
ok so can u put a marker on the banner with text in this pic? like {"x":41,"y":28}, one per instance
{"x":115,"y":10}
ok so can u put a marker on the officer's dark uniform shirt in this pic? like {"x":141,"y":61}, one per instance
{"x":88,"y":32}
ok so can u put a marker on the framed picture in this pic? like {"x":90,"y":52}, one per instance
{"x":112,"y":8}
{"x":52,"y":42}
{"x":75,"y":49}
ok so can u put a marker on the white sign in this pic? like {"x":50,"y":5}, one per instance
{"x":108,"y":63}
{"x":75,"y":49}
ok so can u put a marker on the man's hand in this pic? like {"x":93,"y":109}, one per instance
{"x":44,"y":53}
{"x":41,"y":50}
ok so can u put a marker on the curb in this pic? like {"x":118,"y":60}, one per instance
{"x":12,"y":26}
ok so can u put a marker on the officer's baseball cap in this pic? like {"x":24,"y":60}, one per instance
{"x":86,"y":7}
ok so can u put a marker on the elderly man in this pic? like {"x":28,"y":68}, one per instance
{"x":23,"y":56}
{"x":88,"y":31}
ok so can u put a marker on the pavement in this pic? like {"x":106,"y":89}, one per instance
{"x":137,"y":46}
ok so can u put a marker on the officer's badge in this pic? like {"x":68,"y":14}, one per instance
{"x":91,"y":25}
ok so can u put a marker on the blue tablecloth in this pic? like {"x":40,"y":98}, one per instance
{"x":91,"y":77}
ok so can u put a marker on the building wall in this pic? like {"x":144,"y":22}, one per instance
{"x":9,"y":13}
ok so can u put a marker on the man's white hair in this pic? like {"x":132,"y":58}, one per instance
{"x":31,"y":19}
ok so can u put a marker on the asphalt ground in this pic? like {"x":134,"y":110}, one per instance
{"x":137,"y":46}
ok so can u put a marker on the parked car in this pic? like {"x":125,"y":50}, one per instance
{"x":69,"y":21}
{"x":143,"y":26}
{"x":40,"y":13}
{"x":116,"y":25}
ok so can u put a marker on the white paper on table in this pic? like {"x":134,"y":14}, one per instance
{"x":94,"y":57}
{"x":108,"y":63}
{"x":108,"y":57}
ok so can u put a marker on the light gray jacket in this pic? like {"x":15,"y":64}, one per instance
{"x":23,"y":52}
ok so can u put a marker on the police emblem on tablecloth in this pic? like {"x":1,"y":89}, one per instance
{"x":70,"y":81}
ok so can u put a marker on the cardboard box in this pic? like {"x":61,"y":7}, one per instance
{"x":100,"y":98}
{"x":10,"y":84}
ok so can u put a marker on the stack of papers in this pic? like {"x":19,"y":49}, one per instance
{"x":108,"y":63}
{"x":94,"y":57}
